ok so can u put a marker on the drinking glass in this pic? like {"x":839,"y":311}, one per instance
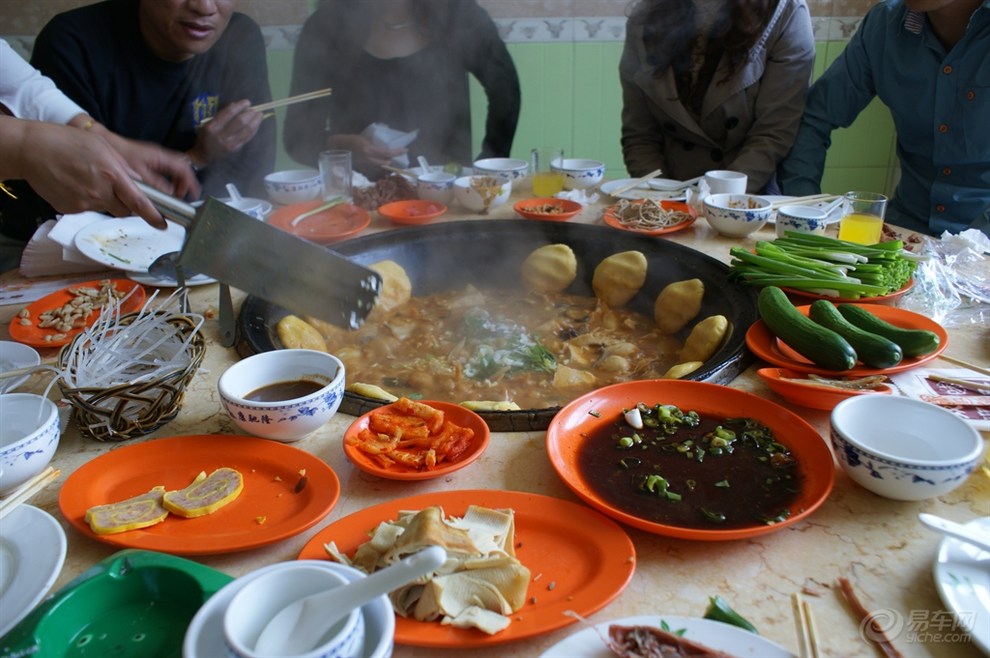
{"x":335,"y":168}
{"x":862,"y":221}
{"x":547,"y":182}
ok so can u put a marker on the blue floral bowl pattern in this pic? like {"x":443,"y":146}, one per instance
{"x":936,"y":455}
{"x":288,"y":420}
{"x":579,"y":173}
{"x":737,"y":215}
{"x":29,"y":435}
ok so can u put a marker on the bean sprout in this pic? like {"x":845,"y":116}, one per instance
{"x":647,"y":215}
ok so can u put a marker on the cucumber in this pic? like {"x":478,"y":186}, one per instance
{"x":822,"y":346}
{"x":873,"y":350}
{"x":913,"y":342}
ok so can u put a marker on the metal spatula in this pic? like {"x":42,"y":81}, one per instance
{"x":300,"y":276}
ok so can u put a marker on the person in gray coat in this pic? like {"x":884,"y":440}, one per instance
{"x":714,"y":84}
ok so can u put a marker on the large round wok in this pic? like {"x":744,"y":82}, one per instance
{"x":488,"y":254}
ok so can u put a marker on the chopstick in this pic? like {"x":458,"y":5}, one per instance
{"x":965,"y":383}
{"x":636,"y":183}
{"x":807,"y":633}
{"x":965,"y":364}
{"x":28,"y":489}
{"x":291,"y":100}
{"x":801,"y":200}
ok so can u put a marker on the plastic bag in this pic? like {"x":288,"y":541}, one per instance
{"x":952,"y":282}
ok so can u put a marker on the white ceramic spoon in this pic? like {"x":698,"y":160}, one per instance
{"x":299,"y":627}
{"x":424,"y":165}
{"x":234,"y":193}
{"x":957,"y":531}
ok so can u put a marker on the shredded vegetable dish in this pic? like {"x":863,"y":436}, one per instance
{"x":647,"y":215}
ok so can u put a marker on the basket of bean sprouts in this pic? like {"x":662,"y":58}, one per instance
{"x":650,"y":216}
{"x":125,"y":376}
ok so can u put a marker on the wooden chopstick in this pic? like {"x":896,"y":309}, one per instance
{"x":28,"y":489}
{"x":291,"y":100}
{"x":965,"y":364}
{"x":807,"y":633}
{"x":801,"y":200}
{"x":300,"y":98}
{"x":636,"y":183}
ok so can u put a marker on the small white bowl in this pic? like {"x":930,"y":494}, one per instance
{"x":282,"y":420}
{"x":259,"y":600}
{"x":802,"y":219}
{"x":504,"y":168}
{"x":293,"y":185}
{"x":579,"y":173}
{"x":14,"y":355}
{"x":436,"y":186}
{"x":469,"y":196}
{"x":737,"y":215}
{"x":204,"y":636}
{"x":29,"y":435}
{"x":903,"y":448}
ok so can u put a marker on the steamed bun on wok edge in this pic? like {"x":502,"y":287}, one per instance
{"x":479,"y":585}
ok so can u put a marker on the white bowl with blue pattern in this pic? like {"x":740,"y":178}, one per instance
{"x":29,"y":434}
{"x":903,"y":448}
{"x":293,"y":185}
{"x":579,"y":173}
{"x":737,"y":215}
{"x":282,"y":420}
{"x":511,"y":169}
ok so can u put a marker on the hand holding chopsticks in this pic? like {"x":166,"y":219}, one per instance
{"x":24,"y":492}
{"x":291,"y":100}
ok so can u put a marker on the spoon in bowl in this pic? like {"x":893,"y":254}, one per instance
{"x":299,"y":627}
{"x":235,"y":194}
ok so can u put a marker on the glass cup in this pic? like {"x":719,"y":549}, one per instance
{"x":862,"y":219}
{"x":546,"y":182}
{"x":336,"y":171}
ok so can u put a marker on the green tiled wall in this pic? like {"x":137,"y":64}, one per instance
{"x":571,"y":98}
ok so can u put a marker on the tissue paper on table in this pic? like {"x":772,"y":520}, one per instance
{"x":971,"y":402}
{"x":381,"y":135}
{"x":579,"y":196}
{"x":52,"y":250}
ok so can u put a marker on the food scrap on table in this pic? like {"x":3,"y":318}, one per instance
{"x":413,"y":435}
{"x":479,"y":586}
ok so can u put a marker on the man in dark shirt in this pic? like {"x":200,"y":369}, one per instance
{"x":179,"y":73}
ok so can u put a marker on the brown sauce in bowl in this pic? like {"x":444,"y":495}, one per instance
{"x":754,"y":483}
{"x":282,"y":391}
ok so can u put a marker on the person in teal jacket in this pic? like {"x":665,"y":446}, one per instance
{"x":929,"y":62}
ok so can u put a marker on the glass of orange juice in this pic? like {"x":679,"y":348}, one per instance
{"x":546,"y":181}
{"x":862,"y":221}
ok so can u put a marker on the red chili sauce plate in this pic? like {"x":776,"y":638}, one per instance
{"x":764,"y":344}
{"x":611,"y":217}
{"x":32,"y":334}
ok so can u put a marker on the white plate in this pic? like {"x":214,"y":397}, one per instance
{"x":14,"y":355}
{"x":962,"y":577}
{"x":204,"y":636}
{"x":146,"y":279}
{"x":128,"y":243}
{"x":588,"y":643}
{"x":641,"y":191}
{"x":32,"y":550}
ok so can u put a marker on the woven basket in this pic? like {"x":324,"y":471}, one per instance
{"x":131,"y":410}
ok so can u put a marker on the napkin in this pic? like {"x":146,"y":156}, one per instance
{"x":967,"y":402}
{"x":44,"y":254}
{"x":380,"y":134}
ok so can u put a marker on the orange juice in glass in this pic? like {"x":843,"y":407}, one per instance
{"x":547,"y":182}
{"x":862,"y":222}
